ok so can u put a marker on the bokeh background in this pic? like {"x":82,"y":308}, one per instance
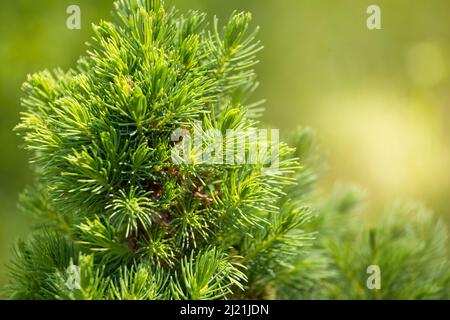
{"x":379,"y":100}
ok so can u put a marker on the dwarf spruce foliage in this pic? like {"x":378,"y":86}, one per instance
{"x":131,"y":223}
{"x":110,"y":197}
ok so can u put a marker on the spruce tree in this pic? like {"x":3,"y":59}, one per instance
{"x":120,"y":219}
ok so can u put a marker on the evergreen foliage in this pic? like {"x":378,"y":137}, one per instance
{"x":111,"y":201}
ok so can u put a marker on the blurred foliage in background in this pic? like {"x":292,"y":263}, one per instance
{"x":379,"y":100}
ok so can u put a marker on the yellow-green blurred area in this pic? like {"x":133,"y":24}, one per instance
{"x":378,"y":99}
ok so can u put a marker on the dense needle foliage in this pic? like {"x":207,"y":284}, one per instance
{"x":138,"y":225}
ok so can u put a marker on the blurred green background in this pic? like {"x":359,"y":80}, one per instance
{"x":379,"y":100}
